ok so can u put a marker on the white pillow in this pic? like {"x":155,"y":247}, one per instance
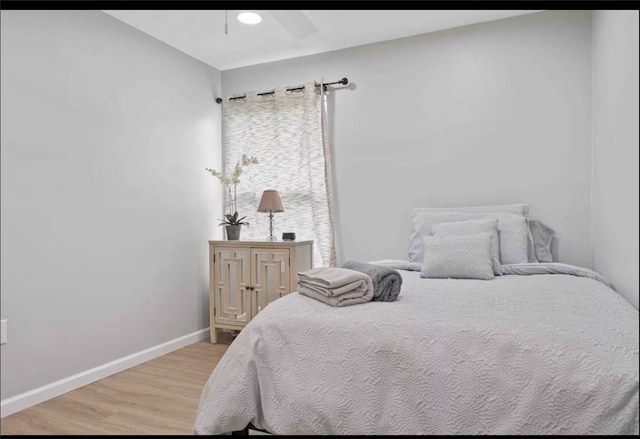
{"x":472,"y":227}
{"x":459,"y":257}
{"x":513,"y":233}
{"x":518,"y":209}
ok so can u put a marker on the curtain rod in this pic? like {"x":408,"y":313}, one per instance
{"x":343,"y":81}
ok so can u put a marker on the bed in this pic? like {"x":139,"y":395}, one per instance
{"x":519,"y":354}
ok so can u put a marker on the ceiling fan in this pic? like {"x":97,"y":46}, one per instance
{"x":295,"y":22}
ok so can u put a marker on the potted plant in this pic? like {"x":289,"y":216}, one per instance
{"x":232,"y":224}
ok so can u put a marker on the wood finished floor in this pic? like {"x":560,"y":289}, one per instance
{"x":157,"y":397}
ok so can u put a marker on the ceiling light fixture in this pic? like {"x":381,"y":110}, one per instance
{"x":249,"y":18}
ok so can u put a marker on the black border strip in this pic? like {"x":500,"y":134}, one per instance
{"x":319,"y":5}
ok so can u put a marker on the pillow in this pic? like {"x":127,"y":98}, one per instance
{"x":518,"y":209}
{"x":472,"y":227}
{"x":513,"y":233}
{"x":460,"y":257}
{"x":531,"y":246}
{"x":542,"y":236}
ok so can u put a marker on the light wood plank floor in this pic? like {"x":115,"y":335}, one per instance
{"x":157,"y":397}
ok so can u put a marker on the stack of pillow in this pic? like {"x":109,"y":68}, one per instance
{"x":473,"y":242}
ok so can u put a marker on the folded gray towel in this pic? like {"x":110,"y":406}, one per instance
{"x":336,"y":286}
{"x":386,"y":281}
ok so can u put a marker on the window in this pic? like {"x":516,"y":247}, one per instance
{"x":285,"y":131}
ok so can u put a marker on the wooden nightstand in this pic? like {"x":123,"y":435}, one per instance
{"x":244,"y":276}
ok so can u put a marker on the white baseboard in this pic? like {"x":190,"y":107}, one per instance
{"x":36,"y":396}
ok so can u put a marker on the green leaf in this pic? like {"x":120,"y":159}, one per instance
{"x":232,"y":220}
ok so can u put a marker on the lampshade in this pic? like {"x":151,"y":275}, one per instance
{"x":270,"y":202}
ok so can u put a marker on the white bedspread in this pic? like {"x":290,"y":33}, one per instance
{"x":540,"y":354}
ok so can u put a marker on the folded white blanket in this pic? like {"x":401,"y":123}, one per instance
{"x":352,"y":298}
{"x":336,"y":286}
{"x":331,"y":277}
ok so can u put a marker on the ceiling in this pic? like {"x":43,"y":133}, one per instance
{"x":288,"y":34}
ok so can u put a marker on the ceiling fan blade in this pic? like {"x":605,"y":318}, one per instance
{"x":295,"y":22}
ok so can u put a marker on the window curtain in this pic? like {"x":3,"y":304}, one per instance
{"x":287,"y":132}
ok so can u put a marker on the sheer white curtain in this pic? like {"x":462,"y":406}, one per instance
{"x":287,"y":132}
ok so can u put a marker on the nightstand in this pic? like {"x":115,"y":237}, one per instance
{"x":245,"y":276}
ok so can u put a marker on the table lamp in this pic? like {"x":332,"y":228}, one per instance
{"x":270,"y":202}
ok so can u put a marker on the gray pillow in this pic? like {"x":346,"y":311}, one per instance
{"x":459,"y":257}
{"x":532,"y":251}
{"x":542,"y":236}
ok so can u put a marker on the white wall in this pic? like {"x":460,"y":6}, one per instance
{"x":106,"y":207}
{"x":496,"y":112}
{"x":615,"y":149}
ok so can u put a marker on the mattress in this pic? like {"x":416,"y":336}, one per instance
{"x":519,"y":354}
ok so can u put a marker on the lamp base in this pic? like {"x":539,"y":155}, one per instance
{"x":271,"y":236}
{"x":271,"y":239}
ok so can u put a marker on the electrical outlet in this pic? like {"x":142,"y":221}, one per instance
{"x":3,"y":331}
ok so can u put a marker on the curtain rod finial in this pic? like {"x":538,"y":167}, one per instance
{"x":218,"y":100}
